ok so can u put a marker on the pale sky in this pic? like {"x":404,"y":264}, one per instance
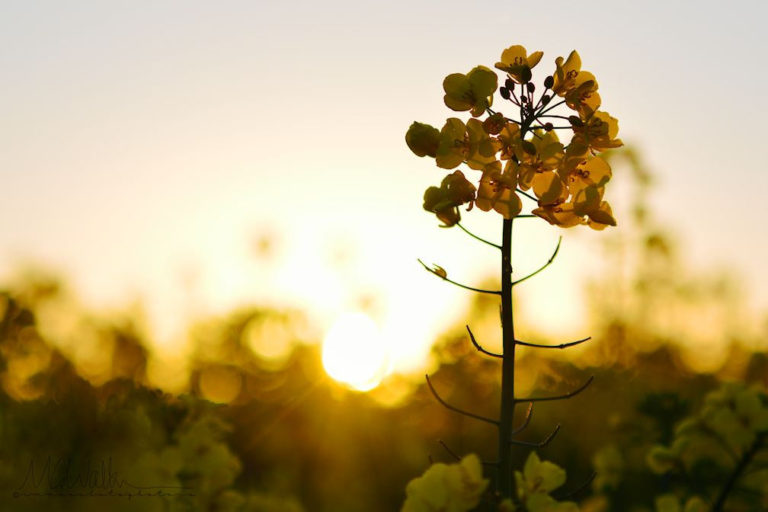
{"x":142,"y":144}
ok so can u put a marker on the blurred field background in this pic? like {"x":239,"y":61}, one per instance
{"x":210,"y":226}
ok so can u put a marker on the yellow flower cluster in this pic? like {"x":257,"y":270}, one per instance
{"x":447,"y":487}
{"x":515,"y":155}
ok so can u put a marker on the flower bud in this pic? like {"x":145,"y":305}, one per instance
{"x":509,"y":84}
{"x":549,"y":82}
{"x":531,"y":86}
{"x":504,"y":92}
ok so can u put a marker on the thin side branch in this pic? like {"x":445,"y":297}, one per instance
{"x":526,"y":194}
{"x":581,"y":488}
{"x":744,"y":462}
{"x":439,"y":272}
{"x":548,"y":263}
{"x":540,"y":444}
{"x":456,"y":409}
{"x":526,"y":420}
{"x":450,"y":452}
{"x":544,"y":111}
{"x":479,"y":348}
{"x":560,"y":397}
{"x":562,"y":345}
{"x":477,"y":237}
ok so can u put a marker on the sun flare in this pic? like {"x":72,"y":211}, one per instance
{"x":354,"y":352}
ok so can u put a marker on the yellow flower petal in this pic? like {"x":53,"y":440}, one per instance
{"x":517,"y":64}
{"x":548,"y":187}
{"x":602,"y":217}
{"x":566,"y":73}
{"x":542,"y":476}
{"x":508,"y":204}
{"x":534,"y":58}
{"x":423,"y":139}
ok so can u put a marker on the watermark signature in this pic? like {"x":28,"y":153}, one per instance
{"x":66,"y":477}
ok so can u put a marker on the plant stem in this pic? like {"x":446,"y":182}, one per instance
{"x":738,"y":471}
{"x":508,"y":366}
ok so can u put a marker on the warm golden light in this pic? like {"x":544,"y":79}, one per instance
{"x":354,"y":352}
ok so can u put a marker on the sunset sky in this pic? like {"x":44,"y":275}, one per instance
{"x":146,"y":147}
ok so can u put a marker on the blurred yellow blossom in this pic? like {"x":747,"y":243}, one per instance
{"x":536,"y":481}
{"x":447,"y":487}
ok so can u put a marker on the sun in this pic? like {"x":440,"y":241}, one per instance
{"x":354,"y":352}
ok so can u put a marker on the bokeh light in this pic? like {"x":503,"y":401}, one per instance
{"x":354,"y":352}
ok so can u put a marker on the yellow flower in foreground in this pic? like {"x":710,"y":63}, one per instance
{"x":451,"y":151}
{"x":509,"y":139}
{"x":423,"y":139}
{"x":549,"y":188}
{"x":536,"y":481}
{"x":543,"y":153}
{"x":583,"y":97}
{"x":516,"y":62}
{"x":447,"y":487}
{"x":593,"y":171}
{"x":566,"y":73}
{"x":597,"y":133}
{"x":589,"y":201}
{"x":473,"y":91}
{"x":481,"y":147}
{"x":497,"y":192}
{"x":601,"y":217}
{"x":539,"y":476}
{"x":559,"y":215}
{"x":567,"y":178}
{"x":444,"y":201}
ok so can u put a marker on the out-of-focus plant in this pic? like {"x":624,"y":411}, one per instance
{"x":719,"y":454}
{"x":649,"y":293}
{"x":515,"y":154}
